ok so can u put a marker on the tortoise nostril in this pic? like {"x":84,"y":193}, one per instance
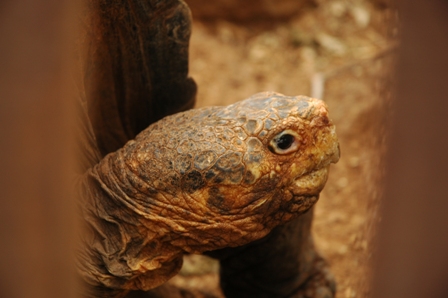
{"x":321,"y":109}
{"x":316,"y":109}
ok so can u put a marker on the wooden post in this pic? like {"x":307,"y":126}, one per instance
{"x":36,"y":220}
{"x":412,"y":259}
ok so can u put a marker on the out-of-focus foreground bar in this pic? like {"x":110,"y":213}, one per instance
{"x":35,"y":207}
{"x":412,"y":260}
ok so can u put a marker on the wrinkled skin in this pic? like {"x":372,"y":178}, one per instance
{"x":204,"y":180}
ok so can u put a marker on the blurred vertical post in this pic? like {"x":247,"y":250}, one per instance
{"x":412,"y":259}
{"x":36,"y":220}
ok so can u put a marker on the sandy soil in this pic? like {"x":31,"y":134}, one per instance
{"x":342,"y":52}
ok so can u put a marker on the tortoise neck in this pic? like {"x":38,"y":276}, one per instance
{"x":121,"y":242}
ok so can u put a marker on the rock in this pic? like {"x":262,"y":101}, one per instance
{"x":331,"y":44}
{"x":247,"y":10}
{"x":199,"y":265}
{"x":338,"y":8}
{"x":361,"y":15}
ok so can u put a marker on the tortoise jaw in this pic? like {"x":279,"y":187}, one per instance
{"x":305,"y":190}
{"x":311,"y":183}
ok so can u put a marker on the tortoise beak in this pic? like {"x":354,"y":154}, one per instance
{"x":336,"y":155}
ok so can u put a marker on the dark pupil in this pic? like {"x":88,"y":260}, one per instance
{"x":285,"y":141}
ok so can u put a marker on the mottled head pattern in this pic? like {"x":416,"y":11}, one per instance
{"x":228,"y":175}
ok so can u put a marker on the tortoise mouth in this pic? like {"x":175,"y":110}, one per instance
{"x":303,"y":203}
{"x":311,"y":184}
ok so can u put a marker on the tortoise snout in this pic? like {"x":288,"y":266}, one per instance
{"x":320,"y":118}
{"x":336,"y":155}
{"x":320,"y":110}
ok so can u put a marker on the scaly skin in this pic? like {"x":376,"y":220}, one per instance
{"x":198,"y":181}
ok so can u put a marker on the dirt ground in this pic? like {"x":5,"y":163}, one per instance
{"x":339,"y":51}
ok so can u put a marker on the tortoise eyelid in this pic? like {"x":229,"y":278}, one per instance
{"x":291,"y":145}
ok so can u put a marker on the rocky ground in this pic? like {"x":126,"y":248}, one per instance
{"x":340,"y":51}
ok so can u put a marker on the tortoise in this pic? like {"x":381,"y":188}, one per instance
{"x":160,"y":180}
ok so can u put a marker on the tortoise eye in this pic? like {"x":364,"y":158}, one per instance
{"x":285,"y":142}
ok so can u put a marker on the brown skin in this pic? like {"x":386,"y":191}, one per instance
{"x":202,"y":180}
